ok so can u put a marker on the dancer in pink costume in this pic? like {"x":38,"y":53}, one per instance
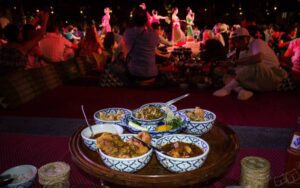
{"x":105,"y":20}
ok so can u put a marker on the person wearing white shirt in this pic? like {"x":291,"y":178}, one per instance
{"x":258,"y":68}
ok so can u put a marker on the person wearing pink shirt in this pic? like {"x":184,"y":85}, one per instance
{"x":293,"y":52}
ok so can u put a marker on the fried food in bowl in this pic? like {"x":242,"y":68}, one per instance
{"x":123,"y":153}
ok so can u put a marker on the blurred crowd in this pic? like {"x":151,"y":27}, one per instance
{"x":136,"y":47}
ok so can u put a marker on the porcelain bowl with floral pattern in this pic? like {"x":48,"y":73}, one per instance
{"x":99,"y":128}
{"x":114,"y":110}
{"x":180,"y":165}
{"x":152,"y":122}
{"x":199,"y":127}
{"x":161,"y":104}
{"x":129,"y":165}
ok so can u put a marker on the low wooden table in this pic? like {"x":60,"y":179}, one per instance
{"x":224,"y":146}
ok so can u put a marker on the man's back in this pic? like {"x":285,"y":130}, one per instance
{"x":142,"y":44}
{"x":53,"y":47}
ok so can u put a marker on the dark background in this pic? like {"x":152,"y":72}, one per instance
{"x":208,"y":12}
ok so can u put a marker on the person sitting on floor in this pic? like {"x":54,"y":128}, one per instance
{"x":213,"y":50}
{"x":55,"y":48}
{"x":91,"y":42}
{"x":14,"y":53}
{"x":258,"y":68}
{"x":140,"y":44}
{"x":161,"y":35}
{"x":293,"y":52}
{"x":206,"y":35}
{"x":35,"y":54}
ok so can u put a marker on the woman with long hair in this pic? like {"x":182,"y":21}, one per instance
{"x":189,"y":24}
{"x":91,"y":42}
{"x":156,"y":18}
{"x":105,"y":20}
{"x":177,"y":33}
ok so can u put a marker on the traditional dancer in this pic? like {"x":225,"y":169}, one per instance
{"x":156,"y":18}
{"x":189,"y":24}
{"x":105,"y":20}
{"x":177,"y":33}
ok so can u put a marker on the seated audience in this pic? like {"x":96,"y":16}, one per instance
{"x":35,"y":54}
{"x":255,"y":32}
{"x":107,"y":56}
{"x":161,"y":35}
{"x":119,"y":50}
{"x":70,"y":35}
{"x":293,"y":52}
{"x":249,"y":22}
{"x":55,"y":48}
{"x":109,"y":45}
{"x":213,"y":50}
{"x":206,"y":35}
{"x":289,"y":35}
{"x":90,"y":43}
{"x":14,"y":53}
{"x":218,"y":29}
{"x":275,"y":36}
{"x":257,"y":68}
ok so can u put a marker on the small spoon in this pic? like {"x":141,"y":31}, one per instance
{"x":87,"y":122}
{"x":149,"y":145}
{"x":168,"y":103}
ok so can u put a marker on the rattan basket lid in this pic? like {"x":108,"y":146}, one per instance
{"x":256,"y":165}
{"x":53,"y":173}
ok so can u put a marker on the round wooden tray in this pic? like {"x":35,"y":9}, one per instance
{"x":224,"y":146}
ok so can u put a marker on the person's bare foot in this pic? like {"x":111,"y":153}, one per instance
{"x":221,"y":92}
{"x":244,"y":94}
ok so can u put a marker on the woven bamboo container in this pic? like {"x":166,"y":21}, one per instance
{"x":255,"y":172}
{"x":54,"y":175}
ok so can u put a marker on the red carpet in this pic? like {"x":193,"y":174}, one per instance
{"x":17,"y":149}
{"x":274,"y":109}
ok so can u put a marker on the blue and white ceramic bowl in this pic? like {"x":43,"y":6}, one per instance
{"x":161,"y":104}
{"x":114,"y":110}
{"x":157,"y":134}
{"x":182,"y":164}
{"x":126,"y":164}
{"x":99,"y":128}
{"x":152,"y":122}
{"x":24,"y":176}
{"x":199,"y":127}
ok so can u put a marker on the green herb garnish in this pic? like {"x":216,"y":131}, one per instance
{"x":175,"y":122}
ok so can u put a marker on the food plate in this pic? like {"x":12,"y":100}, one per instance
{"x":23,"y":175}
